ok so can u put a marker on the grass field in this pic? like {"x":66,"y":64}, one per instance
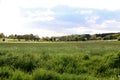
{"x":89,"y":60}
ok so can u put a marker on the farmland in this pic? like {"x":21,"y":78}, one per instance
{"x":89,"y":60}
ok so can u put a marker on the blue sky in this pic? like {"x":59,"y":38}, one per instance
{"x":59,"y":17}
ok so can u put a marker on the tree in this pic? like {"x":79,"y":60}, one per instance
{"x":31,"y":37}
{"x":85,"y":37}
{"x":12,"y":36}
{"x":36,"y":38}
{"x":2,"y":35}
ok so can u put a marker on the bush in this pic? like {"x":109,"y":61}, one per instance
{"x":3,"y":39}
{"x":40,"y":74}
{"x":86,"y":57}
{"x":5,"y":72}
{"x":26,"y":63}
{"x":110,"y":67}
{"x":19,"y":75}
{"x":115,"y":61}
{"x":118,"y":38}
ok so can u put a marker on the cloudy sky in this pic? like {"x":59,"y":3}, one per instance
{"x":59,"y":17}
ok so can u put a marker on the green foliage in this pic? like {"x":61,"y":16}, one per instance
{"x":2,"y":35}
{"x":5,"y":72}
{"x":3,"y":39}
{"x":25,"y":63}
{"x":115,"y":61}
{"x":40,"y":74}
{"x":86,"y":57}
{"x":19,"y":75}
{"x":118,"y":38}
{"x":60,"y":61}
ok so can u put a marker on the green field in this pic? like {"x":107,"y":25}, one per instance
{"x":89,"y":60}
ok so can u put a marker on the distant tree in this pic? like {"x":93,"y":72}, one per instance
{"x":36,"y":38}
{"x":115,"y":36}
{"x":63,"y":38}
{"x":85,"y":37}
{"x":2,"y":35}
{"x":31,"y":37}
{"x":45,"y":38}
{"x":12,"y":36}
{"x":93,"y":37}
{"x":26,"y":37}
{"x":52,"y":39}
{"x":19,"y":37}
{"x":107,"y":37}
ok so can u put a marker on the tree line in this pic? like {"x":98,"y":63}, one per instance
{"x":26,"y":37}
{"x":74,"y":37}
{"x":84,"y":37}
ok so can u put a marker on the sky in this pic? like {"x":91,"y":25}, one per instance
{"x":59,"y":17}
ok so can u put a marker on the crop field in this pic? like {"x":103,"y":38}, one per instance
{"x":87,"y":60}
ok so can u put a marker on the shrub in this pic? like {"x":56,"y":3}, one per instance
{"x":19,"y":75}
{"x":115,"y":61}
{"x":26,"y":63}
{"x":118,"y":38}
{"x":3,"y":53}
{"x":5,"y":72}
{"x":3,"y":39}
{"x":40,"y":74}
{"x":86,"y":57}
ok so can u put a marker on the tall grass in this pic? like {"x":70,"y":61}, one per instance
{"x":98,"y":60}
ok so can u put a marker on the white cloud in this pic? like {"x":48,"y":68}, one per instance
{"x":92,"y":20}
{"x":109,"y":25}
{"x":38,"y":16}
{"x":112,"y":23}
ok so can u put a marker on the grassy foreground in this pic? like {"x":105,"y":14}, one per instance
{"x":90,"y":60}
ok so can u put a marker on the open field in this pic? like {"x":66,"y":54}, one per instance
{"x":89,"y":60}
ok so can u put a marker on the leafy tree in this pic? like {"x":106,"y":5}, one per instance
{"x":12,"y":36}
{"x":36,"y":38}
{"x":93,"y":37}
{"x":2,"y":35}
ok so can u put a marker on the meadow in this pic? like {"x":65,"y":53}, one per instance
{"x":87,"y":60}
